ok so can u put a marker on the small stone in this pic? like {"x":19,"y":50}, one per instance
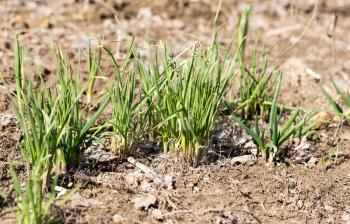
{"x":304,"y":5}
{"x":8,"y":119}
{"x":78,"y":200}
{"x":242,"y":141}
{"x":118,"y":219}
{"x":190,"y":185}
{"x":346,"y":135}
{"x":145,"y":201}
{"x":228,"y":214}
{"x":61,"y":191}
{"x":195,"y":189}
{"x":131,"y":179}
{"x":144,"y":13}
{"x":98,"y":152}
{"x":177,"y":24}
{"x":254,"y":150}
{"x":312,"y":162}
{"x":168,"y":182}
{"x":157,"y":214}
{"x":328,"y":208}
{"x":221,"y":135}
{"x":300,"y":160}
{"x":221,"y":220}
{"x":346,"y":215}
{"x":303,"y":146}
{"x":146,"y":186}
{"x":249,"y":145}
{"x":242,"y":159}
{"x":300,"y":204}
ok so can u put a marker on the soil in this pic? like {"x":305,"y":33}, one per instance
{"x":303,"y":186}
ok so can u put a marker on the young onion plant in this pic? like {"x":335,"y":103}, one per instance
{"x":270,"y":139}
{"x":157,"y":83}
{"x":200,"y":95}
{"x":149,"y":77}
{"x":127,"y":105}
{"x":33,"y":205}
{"x":54,"y":129}
{"x":40,"y":136}
{"x":54,"y":117}
{"x":187,"y":103}
{"x":124,"y":121}
{"x":70,"y":113}
{"x":35,"y":111}
{"x":344,"y":97}
{"x":256,"y":83}
{"x":256,"y":87}
{"x":94,"y":63}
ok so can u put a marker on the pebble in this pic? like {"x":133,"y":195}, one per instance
{"x":242,"y":159}
{"x":146,"y":186}
{"x":346,"y":215}
{"x":143,"y":202}
{"x":168,"y":182}
{"x":118,"y":219}
{"x":7,"y":119}
{"x":144,"y":13}
{"x":157,"y":214}
{"x":80,"y":201}
{"x":131,"y":179}
{"x":328,"y":208}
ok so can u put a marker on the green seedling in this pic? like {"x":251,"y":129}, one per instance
{"x":127,"y":105}
{"x":256,"y":83}
{"x":52,"y":119}
{"x":242,"y":33}
{"x":187,"y":104}
{"x":70,"y":111}
{"x":256,"y":88}
{"x":33,"y":206}
{"x":344,"y":97}
{"x":149,"y":77}
{"x":200,"y":94}
{"x":94,"y":62}
{"x":19,"y":74}
{"x":269,"y":140}
{"x":54,"y":129}
{"x":124,"y":121}
{"x":168,"y":104}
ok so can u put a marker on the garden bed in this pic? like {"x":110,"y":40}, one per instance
{"x":306,"y":183}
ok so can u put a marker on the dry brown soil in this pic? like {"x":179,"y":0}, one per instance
{"x":301,"y":187}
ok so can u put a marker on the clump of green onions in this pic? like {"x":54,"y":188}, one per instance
{"x":269,"y":140}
